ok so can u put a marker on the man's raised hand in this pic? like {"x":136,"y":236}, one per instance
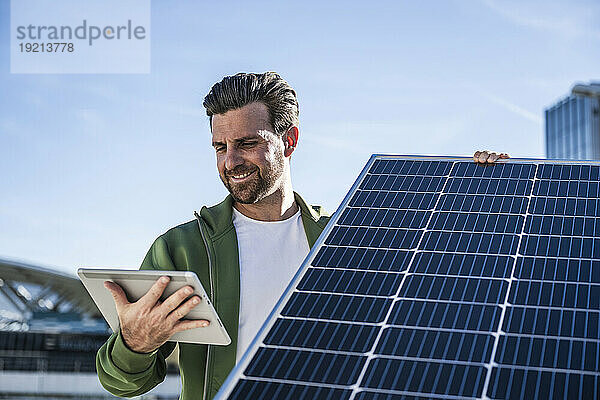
{"x":147,"y":323}
{"x":488,"y":157}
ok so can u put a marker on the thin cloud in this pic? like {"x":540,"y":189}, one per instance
{"x":568,"y":19}
{"x":515,"y":109}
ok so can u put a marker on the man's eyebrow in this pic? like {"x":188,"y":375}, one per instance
{"x":247,"y":138}
{"x":240,"y":140}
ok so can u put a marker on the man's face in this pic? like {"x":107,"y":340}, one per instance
{"x":250,"y":157}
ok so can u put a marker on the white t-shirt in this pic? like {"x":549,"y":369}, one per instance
{"x":270,"y":255}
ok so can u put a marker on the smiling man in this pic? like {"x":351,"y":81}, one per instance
{"x":245,"y":250}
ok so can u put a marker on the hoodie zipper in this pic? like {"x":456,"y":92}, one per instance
{"x":208,"y":351}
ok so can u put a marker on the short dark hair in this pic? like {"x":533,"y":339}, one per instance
{"x":269,"y":88}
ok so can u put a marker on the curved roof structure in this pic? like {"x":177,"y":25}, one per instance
{"x":30,"y":292}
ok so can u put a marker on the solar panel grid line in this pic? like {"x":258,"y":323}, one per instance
{"x":371,"y":354}
{"x":492,"y":364}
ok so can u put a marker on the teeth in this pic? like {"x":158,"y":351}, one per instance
{"x":241,"y":176}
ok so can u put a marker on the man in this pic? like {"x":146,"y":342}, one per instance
{"x":245,"y":250}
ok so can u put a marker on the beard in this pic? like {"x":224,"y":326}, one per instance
{"x":260,"y":184}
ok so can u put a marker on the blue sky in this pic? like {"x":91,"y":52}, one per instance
{"x":94,"y":167}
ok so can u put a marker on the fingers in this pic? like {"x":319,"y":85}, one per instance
{"x":483,"y":157}
{"x":190,"y":324}
{"x":488,"y":157}
{"x":117,"y":293}
{"x":185,"y":308}
{"x":174,"y":300}
{"x":153,"y":295}
{"x":493,"y":157}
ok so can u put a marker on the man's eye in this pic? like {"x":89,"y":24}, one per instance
{"x":219,"y":149}
{"x":248,"y":144}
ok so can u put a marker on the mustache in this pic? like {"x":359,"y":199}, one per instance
{"x":238,"y":171}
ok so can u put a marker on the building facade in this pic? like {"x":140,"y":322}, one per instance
{"x":50,"y":331}
{"x":573,"y":125}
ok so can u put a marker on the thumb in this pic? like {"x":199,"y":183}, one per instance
{"x":117,"y":293}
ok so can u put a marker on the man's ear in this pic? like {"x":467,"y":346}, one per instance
{"x":290,"y":140}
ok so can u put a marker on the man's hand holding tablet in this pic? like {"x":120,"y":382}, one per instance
{"x":151,"y":307}
{"x":148,"y":323}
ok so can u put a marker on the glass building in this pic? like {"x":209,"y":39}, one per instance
{"x":573,"y":125}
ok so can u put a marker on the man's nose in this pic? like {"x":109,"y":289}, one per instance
{"x":232,"y":159}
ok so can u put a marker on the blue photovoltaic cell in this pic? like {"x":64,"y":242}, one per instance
{"x":440,"y":278}
{"x":563,"y":226}
{"x":356,"y":282}
{"x":516,"y":187}
{"x":399,"y":200}
{"x":365,"y":395}
{"x":462,"y":264}
{"x":480,"y":243}
{"x":483,"y":204}
{"x":512,"y":171}
{"x":369,"y":259}
{"x":442,"y":345}
{"x":337,"y":307}
{"x":569,"y":172}
{"x":309,"y":366}
{"x":446,"y":315}
{"x":463,"y":222}
{"x":384,"y":217}
{"x":253,"y":389}
{"x":454,"y":379}
{"x":566,"y":189}
{"x":558,"y":269}
{"x":565,"y":206}
{"x":323,"y":335}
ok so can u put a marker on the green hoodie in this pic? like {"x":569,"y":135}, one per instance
{"x":207,"y":246}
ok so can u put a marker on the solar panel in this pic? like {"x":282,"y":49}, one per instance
{"x":440,"y":278}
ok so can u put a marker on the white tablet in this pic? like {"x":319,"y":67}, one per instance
{"x":136,"y":283}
